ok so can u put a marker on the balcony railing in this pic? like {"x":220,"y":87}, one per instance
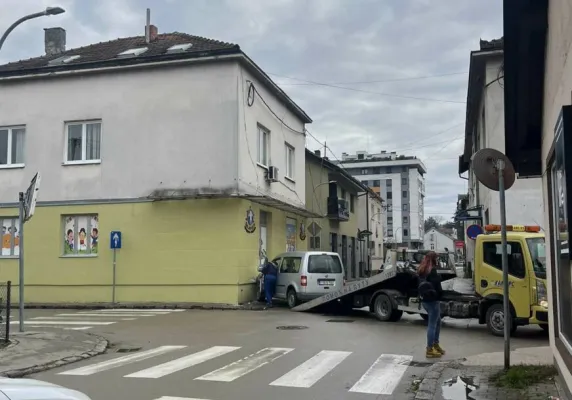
{"x":338,"y":209}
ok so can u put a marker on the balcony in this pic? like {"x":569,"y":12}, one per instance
{"x":338,"y":209}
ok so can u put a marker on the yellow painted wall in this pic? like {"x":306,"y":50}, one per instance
{"x":317,"y":201}
{"x":193,"y":251}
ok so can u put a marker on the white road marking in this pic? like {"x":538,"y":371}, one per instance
{"x":248,"y":364}
{"x":384,"y":375}
{"x":66,"y":322}
{"x":121,"y":361}
{"x":108,"y":315}
{"x":151,"y":310}
{"x":81,"y":328}
{"x":310,"y":372}
{"x":177,"y":398}
{"x":167,"y":368}
{"x":69,"y":318}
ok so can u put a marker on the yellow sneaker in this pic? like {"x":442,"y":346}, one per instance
{"x":431,"y":352}
{"x":439,"y":349}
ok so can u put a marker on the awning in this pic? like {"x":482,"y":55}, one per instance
{"x":182,"y":194}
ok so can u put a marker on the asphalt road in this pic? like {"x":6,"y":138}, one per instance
{"x":229,"y":355}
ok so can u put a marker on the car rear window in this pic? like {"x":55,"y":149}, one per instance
{"x":324,"y":264}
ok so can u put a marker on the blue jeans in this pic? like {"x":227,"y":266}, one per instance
{"x":269,"y":287}
{"x":433,"y":309}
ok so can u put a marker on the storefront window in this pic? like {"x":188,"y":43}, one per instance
{"x":559,"y":216}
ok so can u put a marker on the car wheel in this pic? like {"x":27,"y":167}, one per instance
{"x":382,"y":307}
{"x":292,"y":298}
{"x":496,"y":320}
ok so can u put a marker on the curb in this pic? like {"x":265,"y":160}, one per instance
{"x":184,"y":306}
{"x":430,"y":382}
{"x":99,"y":348}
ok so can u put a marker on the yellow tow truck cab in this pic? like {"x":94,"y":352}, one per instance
{"x":527,"y":277}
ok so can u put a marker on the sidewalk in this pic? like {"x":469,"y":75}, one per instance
{"x":32,"y":352}
{"x":470,"y":378}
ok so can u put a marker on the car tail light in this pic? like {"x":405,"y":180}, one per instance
{"x":304,"y":280}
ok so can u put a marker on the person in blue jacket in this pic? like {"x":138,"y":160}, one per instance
{"x":270,"y":272}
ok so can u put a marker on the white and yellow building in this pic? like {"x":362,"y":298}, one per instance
{"x":181,"y":143}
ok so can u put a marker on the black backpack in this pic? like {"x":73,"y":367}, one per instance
{"x":426,"y":290}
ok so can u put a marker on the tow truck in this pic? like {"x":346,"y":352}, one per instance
{"x":393,"y":291}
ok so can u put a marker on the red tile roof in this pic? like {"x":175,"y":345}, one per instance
{"x":105,"y":52}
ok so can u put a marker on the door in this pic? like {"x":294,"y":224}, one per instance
{"x":353,"y":257}
{"x":278,"y":262}
{"x":489,"y":274}
{"x":325,"y":273}
{"x":345,"y":254}
{"x":288,"y":275}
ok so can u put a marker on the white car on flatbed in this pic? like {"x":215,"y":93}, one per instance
{"x":32,"y":389}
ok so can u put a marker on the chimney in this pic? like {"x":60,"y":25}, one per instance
{"x":54,"y":41}
{"x":317,"y":152}
{"x":150,"y":30}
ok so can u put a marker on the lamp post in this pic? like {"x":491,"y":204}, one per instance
{"x":47,"y":11}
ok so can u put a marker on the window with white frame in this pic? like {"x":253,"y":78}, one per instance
{"x":80,"y":235}
{"x":10,"y":236}
{"x":83,"y":142}
{"x":263,"y":146}
{"x":12,"y":146}
{"x":290,"y":161}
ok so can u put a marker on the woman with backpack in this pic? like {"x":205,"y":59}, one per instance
{"x":430,"y":292}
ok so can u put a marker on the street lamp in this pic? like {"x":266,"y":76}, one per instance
{"x":47,"y":11}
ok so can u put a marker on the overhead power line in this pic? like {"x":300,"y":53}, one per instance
{"x":413,"y":78}
{"x":398,"y":96}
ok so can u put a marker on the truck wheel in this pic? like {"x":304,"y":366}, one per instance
{"x":496,"y":320}
{"x":383,"y":309}
{"x":292,"y":298}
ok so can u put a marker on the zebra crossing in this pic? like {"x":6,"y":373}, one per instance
{"x":85,"y":320}
{"x":381,"y":378}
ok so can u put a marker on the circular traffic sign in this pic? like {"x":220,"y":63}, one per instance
{"x":473,"y":231}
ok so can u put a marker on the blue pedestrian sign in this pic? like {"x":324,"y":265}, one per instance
{"x":115,"y":240}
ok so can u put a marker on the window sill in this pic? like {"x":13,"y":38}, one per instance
{"x":89,"y":162}
{"x":12,"y":166}
{"x":264,"y":167}
{"x":9,"y":257}
{"x":79,"y":256}
{"x":288,"y":179}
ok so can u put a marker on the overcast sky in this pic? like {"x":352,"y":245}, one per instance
{"x":371,"y":48}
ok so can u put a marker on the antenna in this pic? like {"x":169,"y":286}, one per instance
{"x":148,"y":27}
{"x":494,"y":170}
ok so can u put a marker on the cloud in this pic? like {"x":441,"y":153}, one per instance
{"x":330,"y":41}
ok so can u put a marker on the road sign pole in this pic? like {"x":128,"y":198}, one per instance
{"x":505,"y":278}
{"x":21,"y":219}
{"x":114,"y":274}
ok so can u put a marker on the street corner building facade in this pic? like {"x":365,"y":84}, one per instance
{"x":345,"y":206}
{"x":538,"y":122}
{"x":172,"y":140}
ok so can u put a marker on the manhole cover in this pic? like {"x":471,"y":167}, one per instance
{"x":347,"y":321}
{"x":291,"y":327}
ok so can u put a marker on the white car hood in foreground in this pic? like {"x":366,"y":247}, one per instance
{"x":31,"y":389}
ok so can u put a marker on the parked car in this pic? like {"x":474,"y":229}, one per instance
{"x":28,"y":389}
{"x":305,"y":275}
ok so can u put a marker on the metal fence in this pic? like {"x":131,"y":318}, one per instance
{"x":5,"y":293}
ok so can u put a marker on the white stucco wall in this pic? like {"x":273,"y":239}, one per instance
{"x":180,"y":127}
{"x":415,"y":212}
{"x":376,"y":226}
{"x":438,"y":240}
{"x":252,"y":175}
{"x":557,"y":88}
{"x":524,"y":203}
{"x":164,"y":128}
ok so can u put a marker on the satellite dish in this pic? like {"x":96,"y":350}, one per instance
{"x":485,"y":163}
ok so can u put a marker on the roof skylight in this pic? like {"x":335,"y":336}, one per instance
{"x":63,"y":60}
{"x":179,"y":48}
{"x":133,"y":52}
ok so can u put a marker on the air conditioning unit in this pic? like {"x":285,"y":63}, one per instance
{"x":272,"y":174}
